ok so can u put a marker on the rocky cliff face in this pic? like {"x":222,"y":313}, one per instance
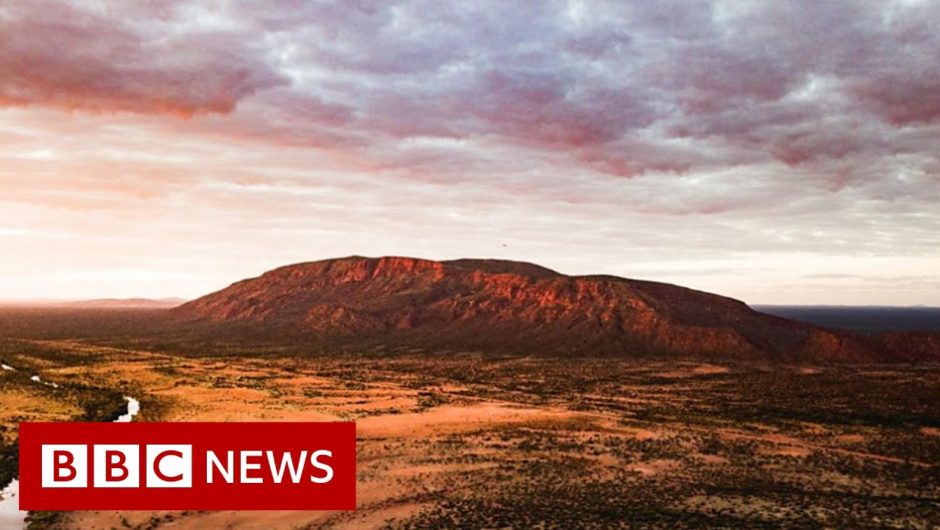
{"x":512,"y":307}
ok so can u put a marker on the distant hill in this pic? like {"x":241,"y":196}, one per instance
{"x":125,"y":303}
{"x":495,"y":305}
{"x":873,"y":319}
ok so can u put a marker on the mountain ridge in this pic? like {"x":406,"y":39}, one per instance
{"x":501,"y":305}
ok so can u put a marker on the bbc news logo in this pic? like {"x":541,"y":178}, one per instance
{"x":170,"y":466}
{"x":187,"y":466}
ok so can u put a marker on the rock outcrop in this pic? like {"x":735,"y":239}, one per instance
{"x":505,"y":306}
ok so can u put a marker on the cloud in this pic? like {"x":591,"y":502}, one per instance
{"x":591,"y":135}
{"x":615,"y":86}
{"x":61,"y":55}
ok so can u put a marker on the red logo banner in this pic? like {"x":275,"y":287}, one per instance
{"x":187,"y":466}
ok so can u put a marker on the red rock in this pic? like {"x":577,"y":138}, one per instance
{"x":506,"y":306}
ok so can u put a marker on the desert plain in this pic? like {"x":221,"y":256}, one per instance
{"x":462,"y":439}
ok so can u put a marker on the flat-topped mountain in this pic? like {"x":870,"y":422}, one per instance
{"x":506,"y":306}
{"x":126,"y":303}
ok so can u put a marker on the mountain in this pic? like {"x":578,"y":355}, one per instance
{"x":126,"y":303}
{"x":506,"y":306}
{"x":867,"y":319}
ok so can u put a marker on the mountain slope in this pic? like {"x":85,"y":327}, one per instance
{"x":511,"y":306}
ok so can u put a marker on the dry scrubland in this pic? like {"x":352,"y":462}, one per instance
{"x":456,"y":439}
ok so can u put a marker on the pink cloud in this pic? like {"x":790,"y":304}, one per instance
{"x":54,"y":54}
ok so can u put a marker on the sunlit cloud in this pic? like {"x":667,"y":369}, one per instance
{"x":166,"y":149}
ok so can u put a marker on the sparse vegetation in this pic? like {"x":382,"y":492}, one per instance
{"x":465,"y":440}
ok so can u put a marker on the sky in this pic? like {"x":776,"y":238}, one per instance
{"x":777,"y":152}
